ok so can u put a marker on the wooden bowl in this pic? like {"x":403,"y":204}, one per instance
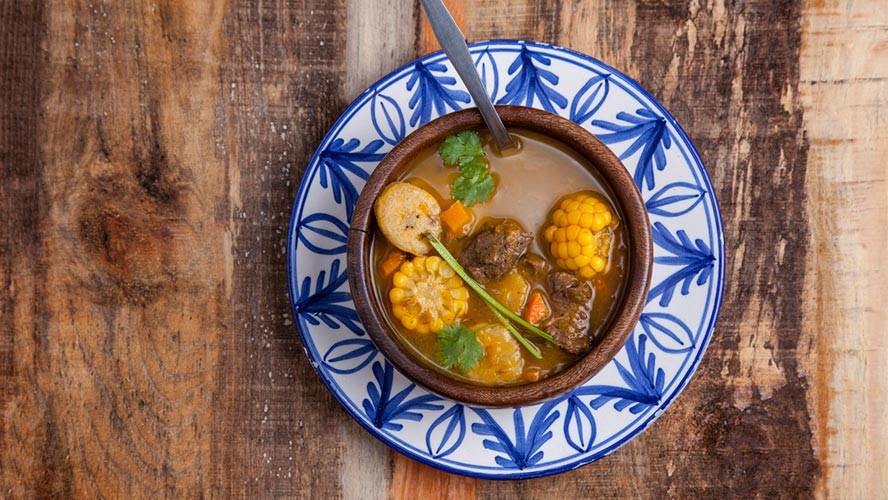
{"x":370,"y":307}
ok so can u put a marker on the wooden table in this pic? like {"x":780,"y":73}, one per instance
{"x":150,"y":153}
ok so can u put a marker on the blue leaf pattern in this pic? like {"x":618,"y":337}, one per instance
{"x":530,"y":82}
{"x":341,"y":158}
{"x":327,"y":305}
{"x":695,"y":259}
{"x":590,"y":98}
{"x":432,"y":92}
{"x":667,"y":332}
{"x":448,"y":439}
{"x":579,"y":425}
{"x":525,"y":450}
{"x":324,"y":229}
{"x":383,"y":408}
{"x":648,"y":132}
{"x":486,"y":67}
{"x":675,"y":199}
{"x":387,"y":118}
{"x":350,"y":355}
{"x":644,"y":380}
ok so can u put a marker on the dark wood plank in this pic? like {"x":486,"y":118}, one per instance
{"x":281,"y":81}
{"x":129,"y":303}
{"x":22,"y":205}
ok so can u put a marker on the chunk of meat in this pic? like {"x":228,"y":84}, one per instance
{"x":571,"y":304}
{"x":533,"y":266}
{"x":495,"y":250}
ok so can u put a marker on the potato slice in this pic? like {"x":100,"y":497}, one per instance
{"x":404,"y":213}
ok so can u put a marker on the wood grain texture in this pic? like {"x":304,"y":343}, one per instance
{"x":844,"y":94}
{"x":149,"y":156}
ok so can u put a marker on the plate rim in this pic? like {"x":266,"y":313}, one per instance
{"x":706,"y":182}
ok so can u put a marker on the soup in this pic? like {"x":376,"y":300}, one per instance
{"x":547,"y":244}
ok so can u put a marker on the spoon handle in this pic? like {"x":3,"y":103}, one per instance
{"x":454,"y":44}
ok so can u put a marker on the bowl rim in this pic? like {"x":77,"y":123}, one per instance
{"x":626,"y":194}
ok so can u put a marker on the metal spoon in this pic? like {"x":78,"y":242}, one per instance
{"x":454,"y":44}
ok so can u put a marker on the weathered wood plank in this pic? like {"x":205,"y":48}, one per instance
{"x":282,"y":81}
{"x":30,"y":447}
{"x":121,"y":371}
{"x":844,"y":91}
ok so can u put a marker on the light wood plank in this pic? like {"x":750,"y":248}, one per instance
{"x":844,"y":87}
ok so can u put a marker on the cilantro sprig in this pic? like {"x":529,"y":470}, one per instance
{"x":464,"y":151}
{"x":459,"y":347}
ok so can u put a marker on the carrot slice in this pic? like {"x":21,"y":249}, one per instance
{"x":456,"y":217}
{"x":392,"y":262}
{"x":536,"y":309}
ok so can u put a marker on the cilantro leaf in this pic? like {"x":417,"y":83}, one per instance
{"x":459,"y":347}
{"x":474,"y":168}
{"x":471,"y":190}
{"x":461,"y":148}
{"x":464,"y":150}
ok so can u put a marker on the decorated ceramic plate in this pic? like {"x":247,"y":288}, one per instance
{"x":617,"y":403}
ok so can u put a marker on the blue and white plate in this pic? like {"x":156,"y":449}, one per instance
{"x":621,"y":400}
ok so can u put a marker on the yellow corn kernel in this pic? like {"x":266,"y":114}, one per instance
{"x":573,"y":249}
{"x":410,"y":322}
{"x":580,"y":233}
{"x":400,"y":280}
{"x":426,"y":295}
{"x":597,"y":222}
{"x":573,"y":217}
{"x":446,"y":272}
{"x":598,"y":263}
{"x":431,"y":265}
{"x":397,"y":295}
{"x":436,"y":324}
{"x":549,"y":233}
{"x":398,"y":311}
{"x":572,"y":232}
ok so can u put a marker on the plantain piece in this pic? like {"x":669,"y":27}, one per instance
{"x":405,"y":213}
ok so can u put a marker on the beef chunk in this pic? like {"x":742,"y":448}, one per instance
{"x":495,"y":250}
{"x":571,"y":304}
{"x":533,"y":266}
